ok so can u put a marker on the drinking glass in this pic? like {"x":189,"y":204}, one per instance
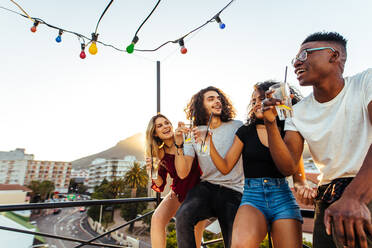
{"x":202,"y":143}
{"x":154,"y":168}
{"x":188,"y":137}
{"x":282,"y":92}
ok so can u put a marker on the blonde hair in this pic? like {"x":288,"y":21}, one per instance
{"x":152,"y":142}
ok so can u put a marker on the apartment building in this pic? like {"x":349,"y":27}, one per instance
{"x":13,"y":166}
{"x":82,"y":175}
{"x":56,"y":171}
{"x":110,"y":169}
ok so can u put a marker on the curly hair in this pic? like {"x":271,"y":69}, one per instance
{"x":196,"y":111}
{"x":262,"y":87}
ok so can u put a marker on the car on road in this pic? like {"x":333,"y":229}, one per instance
{"x":57,"y":210}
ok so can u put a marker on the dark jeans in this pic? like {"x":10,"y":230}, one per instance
{"x":320,"y":237}
{"x":204,"y":201}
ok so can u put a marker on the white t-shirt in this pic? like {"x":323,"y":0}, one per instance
{"x":223,"y":138}
{"x":338,"y":132}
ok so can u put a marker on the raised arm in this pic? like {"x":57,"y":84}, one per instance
{"x":225,"y":165}
{"x":285,"y":153}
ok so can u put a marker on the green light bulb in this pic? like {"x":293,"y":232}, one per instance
{"x":130,"y":48}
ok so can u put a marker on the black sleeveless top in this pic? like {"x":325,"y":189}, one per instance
{"x":257,"y":161}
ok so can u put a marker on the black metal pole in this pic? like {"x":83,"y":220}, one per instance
{"x":116,"y":228}
{"x":15,"y":207}
{"x":158,"y":87}
{"x":158,"y":108}
{"x":57,"y":237}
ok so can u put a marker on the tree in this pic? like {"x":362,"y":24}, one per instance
{"x":129,"y":211}
{"x":77,"y":187}
{"x":41,"y":190}
{"x":46,"y":187}
{"x":34,"y":186}
{"x":136,"y":177}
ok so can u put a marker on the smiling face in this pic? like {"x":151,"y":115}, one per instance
{"x":163,"y":128}
{"x":257,"y":97}
{"x":318,"y":65}
{"x":212,"y":103}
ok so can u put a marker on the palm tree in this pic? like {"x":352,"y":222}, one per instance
{"x":46,"y":187}
{"x":116,"y":187}
{"x":136,"y":177}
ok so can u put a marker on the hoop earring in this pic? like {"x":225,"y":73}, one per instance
{"x":161,"y":146}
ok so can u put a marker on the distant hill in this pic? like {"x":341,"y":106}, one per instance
{"x":133,"y":145}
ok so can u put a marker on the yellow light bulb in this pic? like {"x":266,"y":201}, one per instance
{"x":93,"y":48}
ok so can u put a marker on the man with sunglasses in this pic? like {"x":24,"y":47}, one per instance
{"x":336,"y":122}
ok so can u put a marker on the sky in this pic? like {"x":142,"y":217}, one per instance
{"x":61,"y":108}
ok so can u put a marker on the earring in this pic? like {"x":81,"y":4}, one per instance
{"x":161,"y":146}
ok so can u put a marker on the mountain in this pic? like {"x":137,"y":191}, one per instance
{"x":133,"y":145}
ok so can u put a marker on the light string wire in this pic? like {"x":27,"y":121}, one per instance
{"x":83,"y":37}
{"x":184,"y":36}
{"x":103,"y":13}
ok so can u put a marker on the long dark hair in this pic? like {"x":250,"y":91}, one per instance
{"x":196,"y":111}
{"x":262,"y":87}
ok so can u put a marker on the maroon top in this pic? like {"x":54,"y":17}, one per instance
{"x":179,"y":186}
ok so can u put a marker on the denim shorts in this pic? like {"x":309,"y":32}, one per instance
{"x":273,"y":197}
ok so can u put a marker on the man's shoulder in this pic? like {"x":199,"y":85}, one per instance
{"x":365,"y":75}
{"x":304,"y":102}
{"x":235,"y":123}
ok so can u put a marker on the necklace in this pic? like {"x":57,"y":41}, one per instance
{"x":169,"y":147}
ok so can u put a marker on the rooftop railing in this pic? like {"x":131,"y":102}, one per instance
{"x":33,"y":206}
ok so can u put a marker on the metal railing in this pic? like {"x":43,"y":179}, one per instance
{"x":33,"y":206}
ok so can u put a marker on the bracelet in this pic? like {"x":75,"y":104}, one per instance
{"x":178,"y":146}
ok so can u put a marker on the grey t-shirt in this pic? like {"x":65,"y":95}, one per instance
{"x":223,"y":138}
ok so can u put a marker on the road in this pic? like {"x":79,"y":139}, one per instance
{"x":68,"y":223}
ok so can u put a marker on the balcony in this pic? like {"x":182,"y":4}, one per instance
{"x":32,"y":206}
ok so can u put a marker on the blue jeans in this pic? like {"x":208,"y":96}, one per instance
{"x":272,"y":197}
{"x":204,"y":201}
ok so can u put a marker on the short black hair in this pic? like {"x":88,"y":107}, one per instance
{"x":327,"y":36}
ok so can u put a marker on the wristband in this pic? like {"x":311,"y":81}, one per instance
{"x":178,"y":146}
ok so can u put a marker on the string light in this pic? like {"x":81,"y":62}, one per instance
{"x":220,"y":23}
{"x":82,"y":54}
{"x":59,"y":37}
{"x":34,"y":27}
{"x":183,"y":48}
{"x":93,"y":47}
{"x":129,"y":49}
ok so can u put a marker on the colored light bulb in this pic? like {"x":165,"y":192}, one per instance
{"x":130,"y":48}
{"x":183,"y":50}
{"x":83,"y":55}
{"x":93,"y":48}
{"x":220,"y":23}
{"x":33,"y":29}
{"x":59,"y":39}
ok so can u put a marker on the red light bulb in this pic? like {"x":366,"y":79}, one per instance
{"x":83,"y":55}
{"x":183,"y":50}
{"x":33,"y":29}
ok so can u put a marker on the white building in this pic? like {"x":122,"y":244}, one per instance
{"x":110,"y":169}
{"x":13,"y":166}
